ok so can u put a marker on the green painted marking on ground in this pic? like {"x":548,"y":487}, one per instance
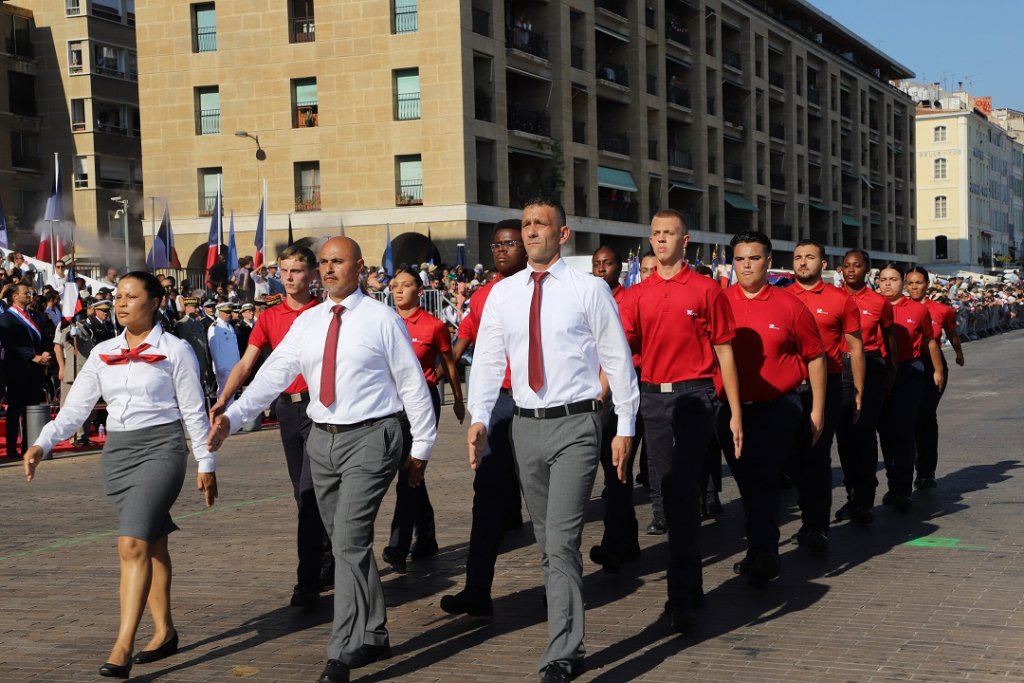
{"x":943,"y":542}
{"x":69,"y":542}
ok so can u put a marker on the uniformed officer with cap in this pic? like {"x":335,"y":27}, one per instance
{"x":223,"y":344}
{"x":208,"y":315}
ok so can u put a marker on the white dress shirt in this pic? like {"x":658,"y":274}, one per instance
{"x":580,"y":334}
{"x":223,"y":346}
{"x":138,"y":394}
{"x":376,"y":371}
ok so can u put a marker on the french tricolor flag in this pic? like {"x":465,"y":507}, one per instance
{"x":213,"y":250}
{"x":261,"y":230}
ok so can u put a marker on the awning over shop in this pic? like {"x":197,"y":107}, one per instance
{"x":820,"y":207}
{"x":615,"y":179}
{"x":850,"y":222}
{"x":676,"y":184}
{"x":739,"y":202}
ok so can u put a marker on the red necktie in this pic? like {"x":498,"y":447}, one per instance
{"x":536,"y":357}
{"x":330,"y":351}
{"x":133,"y":354}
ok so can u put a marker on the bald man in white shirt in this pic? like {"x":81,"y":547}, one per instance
{"x":559,"y":328}
{"x":371,"y":410}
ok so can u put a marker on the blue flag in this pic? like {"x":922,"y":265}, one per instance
{"x":389,"y":259}
{"x":232,"y":263}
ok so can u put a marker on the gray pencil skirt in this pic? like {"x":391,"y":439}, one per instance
{"x":143,"y":472}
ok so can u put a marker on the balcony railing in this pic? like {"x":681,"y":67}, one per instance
{"x":613,"y":73}
{"x":776,"y":78}
{"x":307,"y":198}
{"x":481,"y":22}
{"x":576,"y":57}
{"x":303,"y":30}
{"x":407,"y":106}
{"x":103,"y":12}
{"x":625,"y":209}
{"x":616,"y":143}
{"x":406,"y":20}
{"x":527,"y":121}
{"x":680,"y":158}
{"x":678,"y":96}
{"x":731,"y":58}
{"x":207,"y":203}
{"x":614,"y":6}
{"x":209,"y":122}
{"x":676,"y":30}
{"x":410,"y":193}
{"x":579,"y":132}
{"x":206,"y":39}
{"x":307,"y":114}
{"x":525,"y":40}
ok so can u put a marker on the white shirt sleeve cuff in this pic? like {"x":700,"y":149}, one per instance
{"x":209,"y":464}
{"x":626,"y":427}
{"x":420,"y":450}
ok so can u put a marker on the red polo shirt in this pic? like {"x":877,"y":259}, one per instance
{"x":913,"y":328}
{"x":875,"y":316}
{"x":430,"y":337}
{"x":618,"y":293}
{"x":270,"y":329}
{"x":623,"y":301}
{"x":836,"y":314}
{"x":776,"y":337}
{"x":470,"y":325}
{"x":674,"y":323}
{"x":943,"y":317}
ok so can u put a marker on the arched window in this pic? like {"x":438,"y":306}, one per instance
{"x":941,"y":248}
{"x":939,"y":134}
{"x":940,"y":168}
{"x":940,"y":206}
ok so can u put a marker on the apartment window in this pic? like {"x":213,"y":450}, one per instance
{"x":72,"y":8}
{"x":307,"y":186}
{"x":207,"y":101}
{"x":204,"y":27}
{"x":409,"y":177}
{"x":939,"y":134}
{"x":941,"y":248}
{"x":78,"y":115}
{"x":75,"y":57}
{"x":939,"y":166}
{"x":209,"y":183}
{"x":940,"y":206}
{"x":305,"y":109}
{"x":22,"y":95}
{"x":81,"y":172}
{"x":110,"y":117}
{"x":407,"y":94}
{"x":405,"y":18}
{"x":113,"y":173}
{"x":107,"y":9}
{"x":25,"y":150}
{"x":109,"y":61}
{"x":302,"y":26}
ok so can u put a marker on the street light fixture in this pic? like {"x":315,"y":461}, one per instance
{"x":260,"y":154}
{"x":122,"y":213}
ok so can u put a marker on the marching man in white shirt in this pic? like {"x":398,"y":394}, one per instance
{"x":371,"y":413}
{"x":559,"y":328}
{"x":223,"y":345}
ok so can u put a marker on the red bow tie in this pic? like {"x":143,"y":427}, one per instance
{"x":133,"y":354}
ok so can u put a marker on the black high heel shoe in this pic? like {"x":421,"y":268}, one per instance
{"x":166,"y":650}
{"x":109,"y":670}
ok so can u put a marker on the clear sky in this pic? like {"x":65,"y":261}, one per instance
{"x":977,"y":42}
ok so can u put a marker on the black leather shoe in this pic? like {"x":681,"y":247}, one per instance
{"x":368,"y":654}
{"x":684,"y":620}
{"x":334,"y":672}
{"x":424,"y":549}
{"x":463,"y":603}
{"x":763,"y":569}
{"x":164,"y":651}
{"x":743,"y":566}
{"x":813,"y":540}
{"x":394,"y":558}
{"x":109,"y":670}
{"x":925,"y":482}
{"x":658,"y":526}
{"x":555,"y":673}
{"x":844,"y":511}
{"x":861,"y":514}
{"x":609,"y":561}
{"x":304,"y":599}
{"x":902,"y":503}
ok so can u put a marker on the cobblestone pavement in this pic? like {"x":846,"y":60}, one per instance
{"x":933,"y":595}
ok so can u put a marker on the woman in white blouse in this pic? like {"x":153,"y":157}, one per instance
{"x":150,"y":382}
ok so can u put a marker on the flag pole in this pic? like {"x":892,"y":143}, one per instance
{"x":56,"y":183}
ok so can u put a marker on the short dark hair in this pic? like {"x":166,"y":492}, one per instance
{"x":811,"y":243}
{"x":508,"y":224}
{"x":605,"y":247}
{"x":672,"y":213}
{"x":891,"y":265}
{"x":408,"y":270}
{"x":297,"y":252}
{"x":753,"y":237}
{"x":859,"y":252}
{"x":550,"y":202}
{"x":920,"y":270}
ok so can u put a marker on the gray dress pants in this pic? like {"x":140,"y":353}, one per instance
{"x":351,"y":473}
{"x":557,"y":460}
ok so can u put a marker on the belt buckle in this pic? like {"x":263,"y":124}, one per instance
{"x":538,"y":413}
{"x":665,"y":388}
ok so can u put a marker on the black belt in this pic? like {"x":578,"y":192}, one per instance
{"x":341,"y":429}
{"x":506,"y":392}
{"x":578,"y":408}
{"x":669,"y":387}
{"x":297,"y":397}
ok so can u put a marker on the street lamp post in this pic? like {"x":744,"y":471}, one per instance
{"x":261,"y":154}
{"x":122,"y":213}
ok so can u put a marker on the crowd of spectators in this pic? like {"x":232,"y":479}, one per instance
{"x":983,"y":305}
